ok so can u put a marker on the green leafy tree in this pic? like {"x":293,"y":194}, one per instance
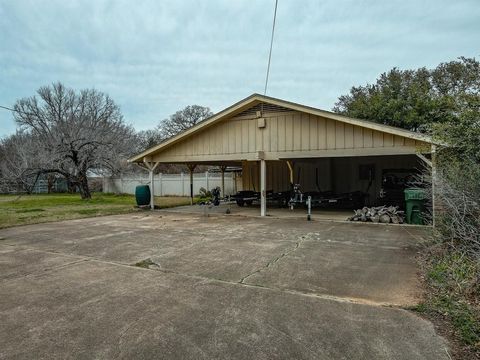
{"x":445,"y":102}
{"x":417,"y":99}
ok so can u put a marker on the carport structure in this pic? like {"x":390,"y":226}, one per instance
{"x":274,"y":140}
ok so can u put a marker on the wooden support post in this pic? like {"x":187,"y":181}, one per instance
{"x":151,"y":166}
{"x":234,"y":182}
{"x":222,"y":169}
{"x":152,"y":189}
{"x":191,"y":167}
{"x":263,"y":185}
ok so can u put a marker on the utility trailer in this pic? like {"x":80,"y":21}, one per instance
{"x":248,"y":197}
{"x":327,"y":199}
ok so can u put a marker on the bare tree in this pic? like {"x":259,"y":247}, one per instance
{"x":79,"y":132}
{"x":20,"y":157}
{"x":183,"y":120}
{"x":149,"y":138}
{"x":458,"y":191}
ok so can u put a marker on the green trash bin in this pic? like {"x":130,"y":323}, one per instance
{"x":415,"y":205}
{"x":142,"y":195}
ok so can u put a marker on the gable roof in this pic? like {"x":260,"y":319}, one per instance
{"x":256,"y":99}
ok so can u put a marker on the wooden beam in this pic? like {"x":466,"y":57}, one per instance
{"x":424,"y":158}
{"x":152,"y":167}
{"x":286,"y":155}
{"x":391,"y":150}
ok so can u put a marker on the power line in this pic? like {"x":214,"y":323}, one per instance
{"x":7,"y":108}
{"x":271,"y":46}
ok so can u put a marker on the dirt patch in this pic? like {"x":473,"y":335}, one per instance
{"x":146,"y":264}
{"x":29,"y":210}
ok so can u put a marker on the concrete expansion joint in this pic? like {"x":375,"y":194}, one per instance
{"x":340,"y":299}
{"x":349,"y":300}
{"x":46,"y":270}
{"x":242,"y":282}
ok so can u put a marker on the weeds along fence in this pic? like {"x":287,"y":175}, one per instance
{"x":170,"y":184}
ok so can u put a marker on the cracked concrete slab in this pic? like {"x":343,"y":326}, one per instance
{"x":99,"y":310}
{"x":224,"y":287}
{"x":18,"y":262}
{"x":343,"y":262}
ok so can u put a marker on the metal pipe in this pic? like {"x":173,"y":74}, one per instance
{"x":309,"y":204}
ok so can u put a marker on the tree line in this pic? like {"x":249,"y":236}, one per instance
{"x":63,"y":133}
{"x":445,"y":103}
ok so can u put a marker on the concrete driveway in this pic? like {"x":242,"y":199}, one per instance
{"x":217,"y":288}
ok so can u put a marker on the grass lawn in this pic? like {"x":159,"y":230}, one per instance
{"x":32,"y":209}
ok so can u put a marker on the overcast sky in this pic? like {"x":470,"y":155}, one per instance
{"x":155,"y":57}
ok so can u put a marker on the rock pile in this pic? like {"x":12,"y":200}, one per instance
{"x":380,"y":214}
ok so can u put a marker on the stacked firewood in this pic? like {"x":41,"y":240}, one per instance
{"x":380,"y":214}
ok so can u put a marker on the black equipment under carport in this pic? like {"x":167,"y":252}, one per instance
{"x":328,"y":199}
{"x":394,"y":183}
{"x":318,"y":199}
{"x":216,"y":196}
{"x":248,"y":197}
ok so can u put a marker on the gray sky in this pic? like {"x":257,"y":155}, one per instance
{"x":155,"y":57}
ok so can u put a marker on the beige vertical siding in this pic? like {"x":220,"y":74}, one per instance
{"x":277,"y":176}
{"x":286,"y":135}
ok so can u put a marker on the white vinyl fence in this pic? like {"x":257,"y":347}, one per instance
{"x":170,"y":184}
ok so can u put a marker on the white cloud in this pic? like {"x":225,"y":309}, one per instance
{"x":155,"y":57}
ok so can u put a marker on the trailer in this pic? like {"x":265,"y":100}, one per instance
{"x":295,"y":198}
{"x":248,"y":197}
{"x":327,"y":199}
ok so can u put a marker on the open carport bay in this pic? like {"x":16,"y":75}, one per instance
{"x":220,"y":287}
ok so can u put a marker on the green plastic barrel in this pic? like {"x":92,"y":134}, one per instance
{"x":142,"y":195}
{"x":415,"y":205}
